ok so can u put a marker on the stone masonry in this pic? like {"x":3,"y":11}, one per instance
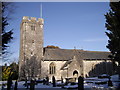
{"x":35,"y":61}
{"x":31,"y":47}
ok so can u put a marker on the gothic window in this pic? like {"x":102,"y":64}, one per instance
{"x":52,"y":68}
{"x":32,"y":27}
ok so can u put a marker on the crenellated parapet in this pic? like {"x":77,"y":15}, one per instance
{"x":33,"y":20}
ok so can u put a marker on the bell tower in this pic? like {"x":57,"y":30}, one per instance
{"x":31,"y":47}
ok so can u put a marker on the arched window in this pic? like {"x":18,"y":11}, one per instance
{"x":52,"y":68}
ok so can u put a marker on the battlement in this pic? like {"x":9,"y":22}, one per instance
{"x":33,"y":19}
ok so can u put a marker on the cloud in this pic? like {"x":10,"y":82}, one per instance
{"x":95,"y":40}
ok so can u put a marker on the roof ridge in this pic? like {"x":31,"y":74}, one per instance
{"x":64,"y":49}
{"x":97,"y":51}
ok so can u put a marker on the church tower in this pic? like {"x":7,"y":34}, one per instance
{"x":31,"y":47}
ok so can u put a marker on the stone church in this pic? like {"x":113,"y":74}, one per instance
{"x":36,"y":61}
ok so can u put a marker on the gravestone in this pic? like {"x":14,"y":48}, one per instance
{"x":54,"y":82}
{"x":80,"y":83}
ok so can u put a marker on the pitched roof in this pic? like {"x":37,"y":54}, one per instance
{"x":95,"y":55}
{"x":57,"y":54}
{"x":65,"y":66}
{"x":67,"y":54}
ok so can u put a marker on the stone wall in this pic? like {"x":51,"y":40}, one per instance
{"x":75,"y":65}
{"x":45,"y":69}
{"x":97,"y":67}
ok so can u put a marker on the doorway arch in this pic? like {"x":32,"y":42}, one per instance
{"x":75,"y":73}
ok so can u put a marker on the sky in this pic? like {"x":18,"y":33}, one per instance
{"x":67,"y":25}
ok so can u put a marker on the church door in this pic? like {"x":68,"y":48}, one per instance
{"x":75,"y":74}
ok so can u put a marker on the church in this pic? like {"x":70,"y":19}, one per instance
{"x":37,"y":61}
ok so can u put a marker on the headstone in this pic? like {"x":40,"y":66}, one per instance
{"x":16,"y":84}
{"x":44,"y":81}
{"x":53,"y":81}
{"x":80,"y":83}
{"x":110,"y":82}
{"x":47,"y":80}
{"x":26,"y":83}
{"x":61,"y":79}
{"x":9,"y":83}
{"x":32,"y":85}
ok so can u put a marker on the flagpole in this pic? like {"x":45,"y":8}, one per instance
{"x":41,"y":10}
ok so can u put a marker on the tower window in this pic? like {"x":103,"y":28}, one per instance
{"x":32,"y":41}
{"x":52,"y":68}
{"x":32,"y":27}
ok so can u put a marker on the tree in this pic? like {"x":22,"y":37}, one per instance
{"x":7,"y":10}
{"x":30,"y":69}
{"x":6,"y":73}
{"x":52,"y":46}
{"x":11,"y":71}
{"x":113,"y":26}
{"x":14,"y":69}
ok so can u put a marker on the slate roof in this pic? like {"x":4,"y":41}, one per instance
{"x":67,"y":54}
{"x":95,"y":55}
{"x":65,"y":66}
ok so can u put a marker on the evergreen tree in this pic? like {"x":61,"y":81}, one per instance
{"x":113,"y":27}
{"x":7,"y":10}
